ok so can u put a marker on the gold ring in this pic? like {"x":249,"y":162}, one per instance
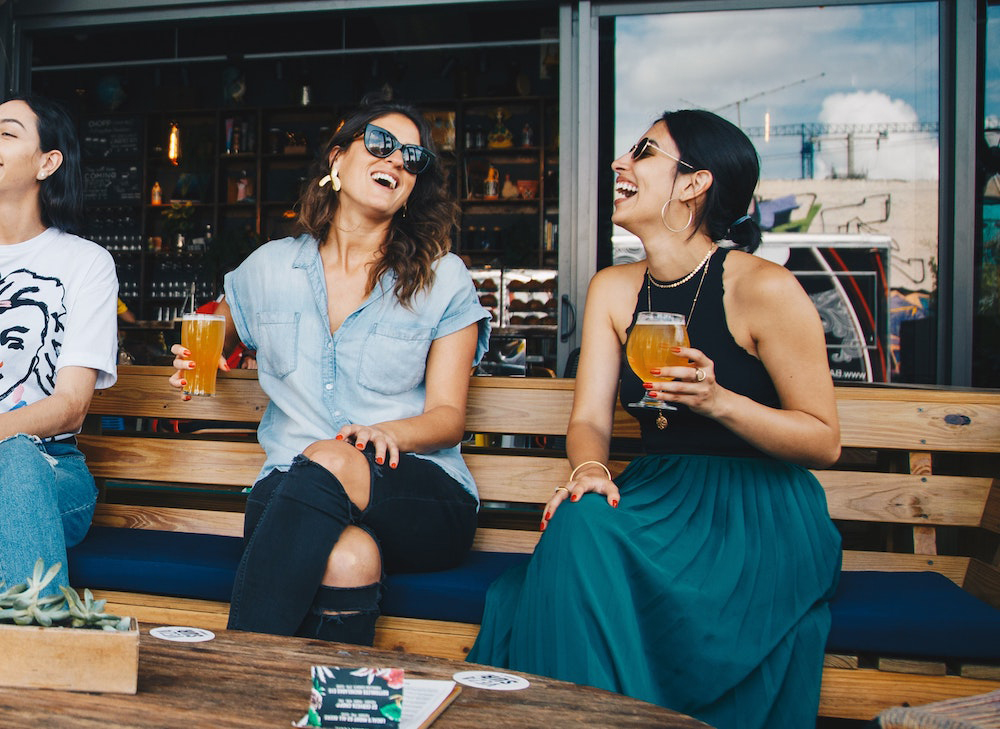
{"x":560,"y":488}
{"x":699,"y":374}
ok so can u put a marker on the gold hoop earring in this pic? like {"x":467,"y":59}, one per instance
{"x":663,"y":217}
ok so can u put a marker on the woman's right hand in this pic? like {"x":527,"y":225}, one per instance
{"x":589,"y":479}
{"x":183,"y":365}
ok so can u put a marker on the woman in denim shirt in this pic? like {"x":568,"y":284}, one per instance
{"x":366,"y":329}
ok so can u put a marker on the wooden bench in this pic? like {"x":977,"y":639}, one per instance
{"x":914,"y":491}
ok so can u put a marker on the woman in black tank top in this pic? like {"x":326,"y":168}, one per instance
{"x":699,"y":577}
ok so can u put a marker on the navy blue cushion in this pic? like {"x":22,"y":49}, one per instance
{"x":920,"y":614}
{"x":204,"y":566}
{"x":162,"y":563}
{"x":457,"y":594}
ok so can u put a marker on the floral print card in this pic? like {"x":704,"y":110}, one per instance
{"x":354,"y":698}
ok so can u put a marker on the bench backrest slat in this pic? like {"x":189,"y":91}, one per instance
{"x":205,"y":462}
{"x":906,"y":418}
{"x":170,"y":519}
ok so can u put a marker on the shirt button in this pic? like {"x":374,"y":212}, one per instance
{"x":329,"y":385}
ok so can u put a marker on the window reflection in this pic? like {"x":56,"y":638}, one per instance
{"x":842,"y":104}
{"x":986,"y":328}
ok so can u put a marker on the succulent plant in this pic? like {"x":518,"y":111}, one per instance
{"x":23,"y":604}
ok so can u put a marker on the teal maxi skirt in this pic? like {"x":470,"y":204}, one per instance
{"x":706,"y":591}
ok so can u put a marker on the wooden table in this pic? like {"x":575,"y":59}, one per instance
{"x":251,"y":680}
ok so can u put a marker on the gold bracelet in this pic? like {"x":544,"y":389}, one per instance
{"x":587,"y":463}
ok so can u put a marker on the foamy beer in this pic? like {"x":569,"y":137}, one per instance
{"x":202,"y":335}
{"x":649,"y":346}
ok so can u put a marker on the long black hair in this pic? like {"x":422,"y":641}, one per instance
{"x":706,"y":141}
{"x":61,"y":193}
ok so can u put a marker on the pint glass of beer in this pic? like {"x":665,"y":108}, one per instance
{"x":648,"y":347}
{"x":203,"y":335}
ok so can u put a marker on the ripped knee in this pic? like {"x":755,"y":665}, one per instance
{"x":334,"y":455}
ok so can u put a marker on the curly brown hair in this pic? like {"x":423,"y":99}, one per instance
{"x":417,"y":237}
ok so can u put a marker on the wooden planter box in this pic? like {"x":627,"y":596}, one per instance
{"x":70,"y":659}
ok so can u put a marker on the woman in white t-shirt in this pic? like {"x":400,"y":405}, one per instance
{"x":57,"y":339}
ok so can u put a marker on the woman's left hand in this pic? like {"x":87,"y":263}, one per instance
{"x":692,"y":385}
{"x":386,"y":450}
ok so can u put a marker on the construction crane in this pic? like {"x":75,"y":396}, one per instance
{"x":811,"y":132}
{"x":739,"y":102}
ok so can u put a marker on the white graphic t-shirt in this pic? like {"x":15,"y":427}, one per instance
{"x":58,"y":298}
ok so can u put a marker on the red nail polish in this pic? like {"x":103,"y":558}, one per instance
{"x":547,"y":516}
{"x":541,"y":527}
{"x":614,"y":503}
{"x":340,"y":437}
{"x":675,"y":349}
{"x":187,"y":397}
{"x":186,"y":353}
{"x":393,"y":465}
{"x":379,"y":461}
{"x":183,"y":382}
{"x":574,"y":497}
{"x":655,"y":371}
{"x":190,"y":365}
{"x":361,"y":446}
{"x":648,"y":385}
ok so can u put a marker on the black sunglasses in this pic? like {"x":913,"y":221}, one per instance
{"x":382,"y":143}
{"x":644,"y":147}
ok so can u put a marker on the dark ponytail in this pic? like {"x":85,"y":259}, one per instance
{"x":706,"y":141}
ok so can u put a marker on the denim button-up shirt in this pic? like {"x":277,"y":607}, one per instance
{"x":370,"y":370}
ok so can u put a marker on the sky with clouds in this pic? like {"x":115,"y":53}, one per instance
{"x":854,"y":65}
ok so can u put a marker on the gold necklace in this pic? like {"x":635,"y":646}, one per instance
{"x":678,"y":282}
{"x":661,"y":420}
{"x":703,"y":267}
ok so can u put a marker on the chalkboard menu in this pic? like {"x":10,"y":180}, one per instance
{"x":111,"y":182}
{"x":110,"y":137}
{"x":112,"y":159}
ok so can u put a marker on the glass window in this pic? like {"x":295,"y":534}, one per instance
{"x":841,"y":102}
{"x":986,"y":325}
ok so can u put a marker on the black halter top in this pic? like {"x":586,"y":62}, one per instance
{"x":735,"y":369}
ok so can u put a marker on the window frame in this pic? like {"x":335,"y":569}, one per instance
{"x":958,"y":87}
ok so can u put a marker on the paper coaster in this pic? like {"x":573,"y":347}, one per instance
{"x":492,"y":680}
{"x":181,"y":634}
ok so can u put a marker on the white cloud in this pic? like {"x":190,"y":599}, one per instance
{"x":898,"y":156}
{"x":771,"y":61}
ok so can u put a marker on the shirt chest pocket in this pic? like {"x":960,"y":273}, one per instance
{"x":278,"y":342}
{"x":394,"y":358}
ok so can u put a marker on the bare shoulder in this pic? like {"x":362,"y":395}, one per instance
{"x":613,"y":277}
{"x":754,"y":281}
{"x":616,"y":285}
{"x":611,"y":297}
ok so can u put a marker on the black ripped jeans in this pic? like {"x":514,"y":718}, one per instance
{"x":421,"y":519}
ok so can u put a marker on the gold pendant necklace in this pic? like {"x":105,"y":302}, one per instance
{"x":703,"y":267}
{"x":661,"y":419}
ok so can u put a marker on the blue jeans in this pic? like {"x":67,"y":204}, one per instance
{"x":47,"y":499}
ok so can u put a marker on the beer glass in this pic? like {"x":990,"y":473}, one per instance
{"x":203,"y":335}
{"x":648,"y":347}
